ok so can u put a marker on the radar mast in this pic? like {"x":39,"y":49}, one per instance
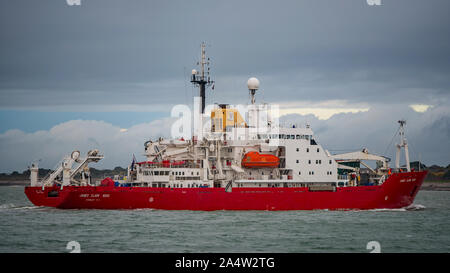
{"x":203,"y":78}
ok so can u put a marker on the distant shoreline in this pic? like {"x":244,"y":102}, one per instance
{"x":426,"y":186}
{"x":435,"y":186}
{"x":15,"y":183}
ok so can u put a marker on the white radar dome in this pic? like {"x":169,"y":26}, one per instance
{"x":75,"y":155}
{"x":194,"y":72}
{"x":253,"y":84}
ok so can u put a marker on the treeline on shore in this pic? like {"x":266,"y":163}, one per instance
{"x":435,"y":173}
{"x":95,"y":174}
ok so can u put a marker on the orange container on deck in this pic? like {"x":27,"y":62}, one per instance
{"x":257,"y":160}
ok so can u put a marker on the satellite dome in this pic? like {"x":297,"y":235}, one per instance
{"x":194,"y":72}
{"x":75,"y":155}
{"x":253,"y":83}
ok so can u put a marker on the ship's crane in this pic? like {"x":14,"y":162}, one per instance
{"x":65,"y":168}
{"x":359,"y":157}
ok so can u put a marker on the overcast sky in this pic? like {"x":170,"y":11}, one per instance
{"x":77,"y":76}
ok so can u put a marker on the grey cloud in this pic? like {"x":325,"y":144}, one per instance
{"x":19,"y":149}
{"x":427,"y":132}
{"x":110,"y":54}
{"x":102,"y":48}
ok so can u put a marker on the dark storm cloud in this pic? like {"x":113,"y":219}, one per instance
{"x":135,"y":52}
{"x":112,"y":55}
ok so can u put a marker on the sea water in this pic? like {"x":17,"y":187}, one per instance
{"x":423,"y":227}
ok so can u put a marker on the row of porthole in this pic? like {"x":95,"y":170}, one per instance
{"x":165,"y":173}
{"x":307,"y":150}
{"x":312,"y":173}
{"x":318,"y":161}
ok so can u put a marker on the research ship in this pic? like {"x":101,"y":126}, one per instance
{"x":234,"y":158}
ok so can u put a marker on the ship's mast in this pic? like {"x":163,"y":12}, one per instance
{"x":403,"y":143}
{"x":203,"y":78}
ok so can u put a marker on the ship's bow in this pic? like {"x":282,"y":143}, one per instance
{"x":400,"y":189}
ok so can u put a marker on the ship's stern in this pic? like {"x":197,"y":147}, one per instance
{"x":46,"y":196}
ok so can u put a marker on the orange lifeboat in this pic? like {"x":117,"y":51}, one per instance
{"x":257,"y":160}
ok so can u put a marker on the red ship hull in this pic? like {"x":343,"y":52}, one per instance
{"x":398,"y":191}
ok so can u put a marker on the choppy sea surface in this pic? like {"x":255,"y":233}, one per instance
{"x":424,"y":227}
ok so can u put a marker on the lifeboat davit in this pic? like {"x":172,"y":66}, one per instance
{"x":257,"y":160}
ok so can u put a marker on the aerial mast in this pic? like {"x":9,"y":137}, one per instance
{"x":403,"y":143}
{"x":203,"y":78}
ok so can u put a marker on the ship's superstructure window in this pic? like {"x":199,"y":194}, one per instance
{"x":317,"y":149}
{"x":307,"y":150}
